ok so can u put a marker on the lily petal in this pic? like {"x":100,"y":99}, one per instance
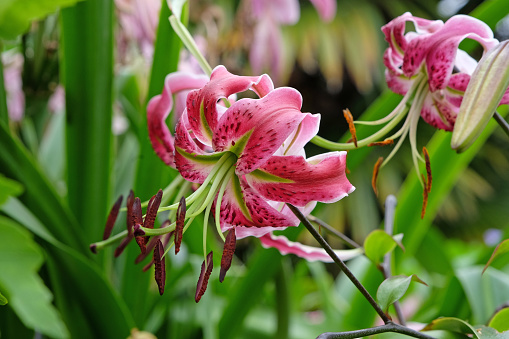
{"x":265,"y":122}
{"x":243,"y":206}
{"x":202,"y":104}
{"x":294,"y":144}
{"x":193,"y":163}
{"x":295,"y":180}
{"x":309,"y":253}
{"x":160,"y":106}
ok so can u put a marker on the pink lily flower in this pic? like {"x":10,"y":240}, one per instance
{"x":257,"y":154}
{"x":160,"y":106}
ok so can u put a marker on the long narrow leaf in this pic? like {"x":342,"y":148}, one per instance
{"x":88,"y":72}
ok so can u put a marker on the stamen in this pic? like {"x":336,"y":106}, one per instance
{"x":228,"y":251}
{"x":219,"y":200}
{"x":179,"y":227}
{"x":152,"y":243}
{"x":204,"y":277}
{"x":152,"y":208}
{"x":129,"y":218}
{"x":424,"y":197}
{"x":382,"y":143}
{"x":112,"y":217}
{"x":123,"y":245}
{"x":160,"y":266}
{"x":137,"y":218}
{"x":349,"y":119}
{"x":375,"y":174}
{"x":428,"y":168}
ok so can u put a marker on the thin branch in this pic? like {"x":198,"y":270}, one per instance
{"x":501,"y":121}
{"x":389,"y":327}
{"x":339,"y":262}
{"x":390,"y":210}
{"x":329,"y":228}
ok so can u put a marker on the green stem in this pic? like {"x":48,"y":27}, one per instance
{"x":501,"y":121}
{"x":188,"y":41}
{"x":100,"y":244}
{"x":158,"y":231}
{"x":4,"y":115}
{"x":329,"y":228}
{"x":388,"y":327}
{"x":282,"y":302}
{"x":339,"y":262}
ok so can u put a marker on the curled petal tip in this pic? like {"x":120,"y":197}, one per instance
{"x":204,"y":277}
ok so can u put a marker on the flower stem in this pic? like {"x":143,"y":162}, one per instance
{"x":329,"y":228}
{"x":188,"y":41}
{"x":388,"y":327}
{"x":340,"y":263}
{"x":501,"y":121}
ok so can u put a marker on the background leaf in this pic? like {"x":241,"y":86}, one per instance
{"x":16,"y":15}
{"x":3,"y":300}
{"x":9,"y":188}
{"x":500,"y":321}
{"x":20,"y":259}
{"x":393,"y":288}
{"x":501,"y":249}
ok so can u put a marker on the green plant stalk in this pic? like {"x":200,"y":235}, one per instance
{"x":339,"y":262}
{"x":282,"y":302}
{"x":501,"y":122}
{"x":87,"y":30}
{"x":152,"y":173}
{"x":4,"y":114}
{"x":389,"y":327}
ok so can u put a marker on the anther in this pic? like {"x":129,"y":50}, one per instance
{"x":153,"y":241}
{"x":160,"y":267}
{"x":424,"y":197}
{"x":204,"y":277}
{"x":179,"y":224}
{"x":428,"y":168}
{"x":137,"y":218}
{"x":93,"y":248}
{"x":130,"y":217}
{"x":376,"y":169}
{"x":349,"y":119}
{"x":112,"y":217}
{"x":382,"y":143}
{"x":228,"y":251}
{"x":152,"y":208}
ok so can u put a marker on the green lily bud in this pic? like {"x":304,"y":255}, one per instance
{"x":485,"y":90}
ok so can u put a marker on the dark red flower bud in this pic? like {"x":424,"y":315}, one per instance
{"x":179,"y":224}
{"x":160,"y":267}
{"x":228,"y":251}
{"x":112,"y":217}
{"x":204,"y":277}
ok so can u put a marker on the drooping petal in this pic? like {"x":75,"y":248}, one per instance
{"x":265,"y":52}
{"x":242,"y":206}
{"x":160,"y":106}
{"x":265,"y":122}
{"x":309,"y":253}
{"x":398,"y":83}
{"x":282,"y":11}
{"x":193,"y":163}
{"x":295,"y":180}
{"x":202,"y":104}
{"x":439,"y":113}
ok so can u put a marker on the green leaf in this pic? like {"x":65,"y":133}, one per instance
{"x":377,"y":244}
{"x":3,"y":300}
{"x":393,"y":288}
{"x":15,"y":15}
{"x":501,"y":249}
{"x":20,"y":259}
{"x":500,"y":321}
{"x":490,"y":333}
{"x":453,"y":325}
{"x":9,"y":188}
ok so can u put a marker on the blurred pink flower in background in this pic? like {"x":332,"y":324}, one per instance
{"x":13,"y":66}
{"x":267,"y":47}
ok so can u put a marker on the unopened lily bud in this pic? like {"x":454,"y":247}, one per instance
{"x":485,"y":90}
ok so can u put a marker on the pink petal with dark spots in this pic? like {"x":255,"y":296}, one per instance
{"x":242,"y":206}
{"x":439,"y":113}
{"x":269,"y":120}
{"x":309,"y":253}
{"x":295,"y":142}
{"x":399,"y":84}
{"x":320,"y":178}
{"x":202,"y":104}
{"x":160,"y":106}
